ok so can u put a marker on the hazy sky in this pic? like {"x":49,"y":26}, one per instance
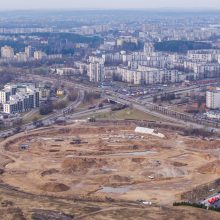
{"x":76,"y":4}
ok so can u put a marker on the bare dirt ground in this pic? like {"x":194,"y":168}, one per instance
{"x":107,"y":168}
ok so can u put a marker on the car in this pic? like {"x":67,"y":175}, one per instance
{"x":151,"y":177}
{"x":147,"y":203}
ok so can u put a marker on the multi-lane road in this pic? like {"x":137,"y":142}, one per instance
{"x":145,"y":104}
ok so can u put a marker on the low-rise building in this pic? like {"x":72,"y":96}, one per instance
{"x":63,"y":71}
{"x":60,"y":92}
{"x":213,"y":115}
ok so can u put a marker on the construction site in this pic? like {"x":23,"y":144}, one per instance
{"x":92,"y":167}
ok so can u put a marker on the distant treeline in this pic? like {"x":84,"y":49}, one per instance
{"x":180,"y":46}
{"x":57,"y":42}
{"x":18,"y":46}
{"x":132,"y":46}
{"x":6,"y":77}
{"x":71,"y":37}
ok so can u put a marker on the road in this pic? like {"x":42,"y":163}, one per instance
{"x":52,"y":119}
{"x":89,"y":112}
{"x":47,"y":119}
{"x":147,"y":106}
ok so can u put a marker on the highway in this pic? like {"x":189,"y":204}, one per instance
{"x":164,"y":113}
{"x":146,"y":106}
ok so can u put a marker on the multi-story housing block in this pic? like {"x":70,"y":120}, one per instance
{"x":96,"y":71}
{"x":7,"y":52}
{"x":19,"y":98}
{"x":147,"y":75}
{"x":213,"y":99}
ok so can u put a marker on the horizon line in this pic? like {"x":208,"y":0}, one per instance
{"x":113,"y":9}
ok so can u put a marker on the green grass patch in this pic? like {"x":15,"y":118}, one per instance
{"x":127,"y":113}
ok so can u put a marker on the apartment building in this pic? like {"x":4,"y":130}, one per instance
{"x":203,"y":55}
{"x":147,"y":75}
{"x":39,"y":55}
{"x":29,"y":51}
{"x":82,"y":67}
{"x":96,"y":71}
{"x":202,"y":69}
{"x":126,"y":39}
{"x":21,"y":57}
{"x":148,"y":48}
{"x":19,"y":98}
{"x":213,"y":99}
{"x":7,"y":52}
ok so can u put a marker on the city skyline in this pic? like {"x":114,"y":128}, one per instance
{"x":119,"y":4}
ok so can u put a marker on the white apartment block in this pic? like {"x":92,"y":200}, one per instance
{"x":5,"y":95}
{"x":29,"y":51}
{"x":19,"y":98}
{"x":21,"y":57}
{"x":147,"y":75}
{"x":39,"y":55}
{"x":64,"y":70}
{"x":199,"y":57}
{"x":202,"y":69}
{"x":206,"y":56}
{"x":148,"y":48}
{"x":7,"y":52}
{"x":96,"y":71}
{"x":52,"y":56}
{"x":126,"y":39}
{"x":96,"y":59}
{"x":112,"y":57}
{"x":213,"y":99}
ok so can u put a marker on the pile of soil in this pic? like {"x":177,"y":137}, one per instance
{"x":203,"y":144}
{"x":170,"y":172}
{"x":138,"y":160}
{"x":71,"y":165}
{"x":54,"y":187}
{"x":179,"y":164}
{"x":120,"y":179}
{"x":49,"y":172}
{"x":213,"y":168}
{"x":1,"y":171}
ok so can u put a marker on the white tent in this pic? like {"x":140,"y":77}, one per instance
{"x":150,"y":131}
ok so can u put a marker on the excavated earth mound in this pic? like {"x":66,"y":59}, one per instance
{"x":54,"y":187}
{"x":179,"y":164}
{"x":170,"y":172}
{"x":71,"y":165}
{"x":49,"y":172}
{"x":213,"y":167}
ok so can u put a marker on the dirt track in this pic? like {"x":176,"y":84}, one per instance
{"x":95,"y":162}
